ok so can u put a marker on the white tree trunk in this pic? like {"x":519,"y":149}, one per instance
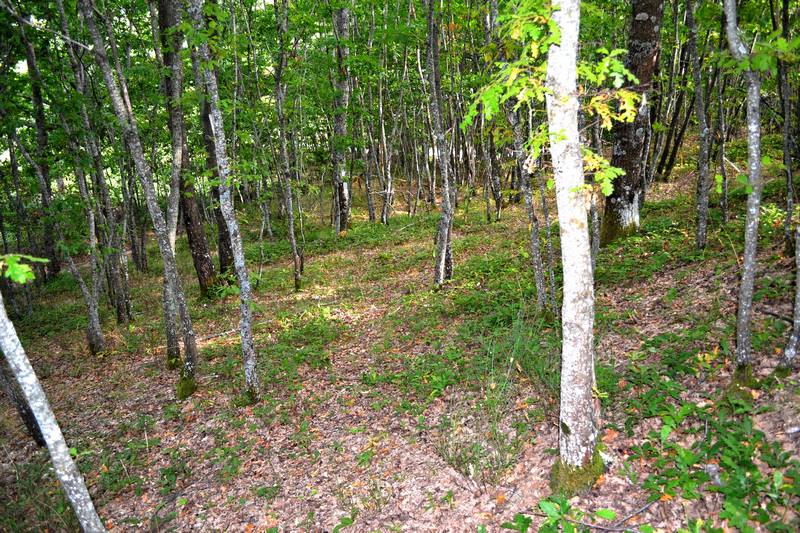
{"x":66,"y":470}
{"x":579,"y":410}
{"x":252,"y":381}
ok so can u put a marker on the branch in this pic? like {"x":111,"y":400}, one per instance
{"x":22,"y":20}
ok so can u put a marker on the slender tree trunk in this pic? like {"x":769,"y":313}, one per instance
{"x":341,"y":99}
{"x":790,"y":352}
{"x":788,"y":141}
{"x":224,"y":245}
{"x":53,"y":267}
{"x":65,"y":468}
{"x":533,"y":221}
{"x":705,"y":138}
{"x":172,"y":39}
{"x":622,"y":206}
{"x":745,"y":310}
{"x":252,"y":382}
{"x":130,"y":130}
{"x":580,"y":411}
{"x":285,"y":172}
{"x":443,"y":266}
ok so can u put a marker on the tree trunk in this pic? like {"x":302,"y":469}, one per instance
{"x":705,"y":138}
{"x":341,"y":99}
{"x":65,"y":468}
{"x":9,"y":385}
{"x":285,"y":172}
{"x":745,"y":310}
{"x":443,"y":266}
{"x":579,"y":417}
{"x":252,"y":382}
{"x":130,"y":130}
{"x":53,"y":267}
{"x":790,"y":352}
{"x":172,"y":39}
{"x":622,"y":206}
{"x":530,"y":209}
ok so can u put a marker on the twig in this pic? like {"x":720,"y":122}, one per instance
{"x":731,"y":163}
{"x":590,"y":526}
{"x":637,"y":512}
{"x":774,"y":314}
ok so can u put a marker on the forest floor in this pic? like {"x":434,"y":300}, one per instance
{"x":389,"y":406}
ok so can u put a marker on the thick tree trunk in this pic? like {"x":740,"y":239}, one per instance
{"x":622,"y":207}
{"x":705,"y":137}
{"x":579,"y":416}
{"x":252,"y":382}
{"x":65,"y":468}
{"x":745,"y":310}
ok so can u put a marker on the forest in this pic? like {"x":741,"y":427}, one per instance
{"x":408,"y":265}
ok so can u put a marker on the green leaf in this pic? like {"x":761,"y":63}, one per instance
{"x":606,"y":514}
{"x":718,"y":183}
{"x":665,"y":431}
{"x":549,"y":508}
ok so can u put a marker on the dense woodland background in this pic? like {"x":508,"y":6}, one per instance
{"x":322,"y":266}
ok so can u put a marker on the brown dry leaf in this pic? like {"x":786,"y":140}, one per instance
{"x":500,"y":499}
{"x":610,"y":435}
{"x":665,"y":497}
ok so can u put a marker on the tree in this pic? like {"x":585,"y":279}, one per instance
{"x":117,"y":87}
{"x":171,"y":41}
{"x":580,"y":411}
{"x":65,"y":468}
{"x":341,"y":101}
{"x":705,"y":135}
{"x":745,"y":310}
{"x":252,"y":382}
{"x":621,"y":214}
{"x":443,"y":266}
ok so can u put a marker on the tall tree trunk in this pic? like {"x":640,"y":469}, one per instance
{"x":530,"y":209}
{"x":341,"y":99}
{"x":705,"y":137}
{"x":65,"y":468}
{"x":285,"y":172}
{"x":622,"y":207}
{"x":745,"y":310}
{"x":53,"y":267}
{"x":252,"y":382}
{"x":580,"y":411}
{"x":788,"y":141}
{"x":127,"y":122}
{"x":224,"y":245}
{"x":172,"y":39}
{"x":443,"y":266}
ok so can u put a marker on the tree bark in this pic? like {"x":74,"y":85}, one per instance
{"x":172,"y":39}
{"x":443,"y":266}
{"x":579,"y":416}
{"x":705,"y":138}
{"x":130,"y":130}
{"x":341,"y":99}
{"x":745,"y":310}
{"x":252,"y":382}
{"x":65,"y":468}
{"x":622,"y":206}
